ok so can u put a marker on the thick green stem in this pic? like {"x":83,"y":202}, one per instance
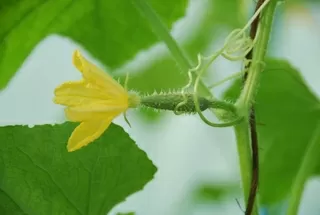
{"x":250,"y":88}
{"x":163,"y":33}
{"x":247,"y":96}
{"x":308,"y":165}
{"x":244,"y":152}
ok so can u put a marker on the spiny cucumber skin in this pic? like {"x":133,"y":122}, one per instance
{"x":170,"y":102}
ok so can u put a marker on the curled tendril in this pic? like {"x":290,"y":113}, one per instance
{"x":232,"y":45}
{"x":201,"y":68}
{"x":195,"y":96}
{"x":238,"y":42}
{"x":189,"y":84}
{"x":237,"y":45}
{"x":201,"y":59}
{"x":204,"y":119}
{"x":185,"y":99}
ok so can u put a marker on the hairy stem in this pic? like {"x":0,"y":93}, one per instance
{"x":251,"y":80}
{"x":308,"y":165}
{"x":243,"y":140}
{"x":244,"y":152}
{"x":251,"y":205}
{"x":250,"y":87}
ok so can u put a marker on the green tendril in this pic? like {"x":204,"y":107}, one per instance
{"x":185,"y":99}
{"x":237,"y":45}
{"x":233,"y":76}
{"x":208,"y":122}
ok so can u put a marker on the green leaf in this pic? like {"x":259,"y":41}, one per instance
{"x":8,"y":206}
{"x":112,"y":31}
{"x":41,"y":177}
{"x":287,"y":113}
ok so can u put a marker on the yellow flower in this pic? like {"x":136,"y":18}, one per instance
{"x":94,"y":101}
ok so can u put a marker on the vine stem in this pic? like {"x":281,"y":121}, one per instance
{"x":249,"y":167}
{"x":249,"y":91}
{"x":244,"y":153}
{"x":308,"y":164}
{"x":251,"y":205}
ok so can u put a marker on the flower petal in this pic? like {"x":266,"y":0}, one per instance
{"x":79,"y":92}
{"x":96,"y":76}
{"x":79,"y":114}
{"x":79,"y":88}
{"x":86,"y":133}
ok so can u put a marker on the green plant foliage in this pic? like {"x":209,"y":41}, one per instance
{"x":287,"y":114}
{"x":8,"y":206}
{"x":112,"y":31}
{"x":38,"y":176}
